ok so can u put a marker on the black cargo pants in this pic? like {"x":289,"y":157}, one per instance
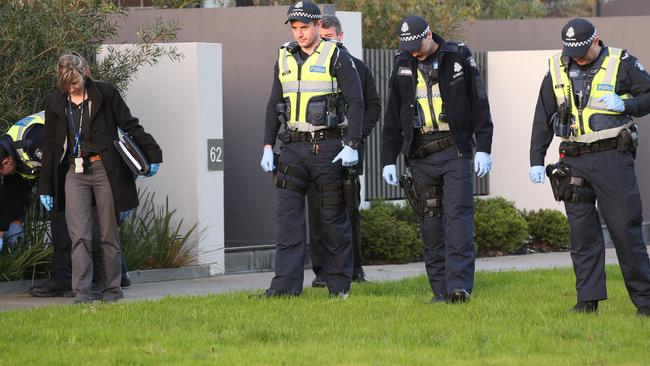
{"x":291,"y":247}
{"x":611,"y":174}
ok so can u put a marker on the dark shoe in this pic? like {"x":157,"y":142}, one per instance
{"x":358,"y":275}
{"x":585,"y":307}
{"x":271,"y":292}
{"x":440,"y":299}
{"x":319,"y":281}
{"x":126,"y":280}
{"x":111,"y":296}
{"x":343,"y":295}
{"x":643,"y":311}
{"x":459,"y":295}
{"x":54,"y":287}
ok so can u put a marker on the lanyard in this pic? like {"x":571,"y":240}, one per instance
{"x":76,"y":150}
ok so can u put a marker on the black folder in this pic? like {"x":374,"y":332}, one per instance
{"x":131,"y":153}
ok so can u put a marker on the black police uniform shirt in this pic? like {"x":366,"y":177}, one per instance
{"x":88,"y":146}
{"x":632,"y":78}
{"x":371,"y":100}
{"x":464,"y":97}
{"x":343,"y":68}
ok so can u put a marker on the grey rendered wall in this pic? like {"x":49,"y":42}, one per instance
{"x":628,"y":32}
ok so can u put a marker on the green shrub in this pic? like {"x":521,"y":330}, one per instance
{"x":389,"y":234}
{"x":549,"y":228}
{"x":151,"y":238}
{"x":498,"y":225}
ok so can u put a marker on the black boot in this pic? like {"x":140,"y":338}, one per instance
{"x":459,"y":295}
{"x":643,"y":310}
{"x":358,"y":275}
{"x":54,"y":287}
{"x":126,"y":280}
{"x":585,"y":307}
{"x":319,"y":281}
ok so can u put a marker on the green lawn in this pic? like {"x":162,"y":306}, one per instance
{"x":516,"y":318}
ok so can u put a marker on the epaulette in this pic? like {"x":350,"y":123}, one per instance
{"x":292,"y":47}
{"x":455,"y":46}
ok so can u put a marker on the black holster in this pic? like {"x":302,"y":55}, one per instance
{"x":628,"y":139}
{"x":567,"y":187}
{"x":408,"y":184}
{"x":350,"y":194}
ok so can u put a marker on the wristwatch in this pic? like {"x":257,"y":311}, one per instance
{"x":354,"y":143}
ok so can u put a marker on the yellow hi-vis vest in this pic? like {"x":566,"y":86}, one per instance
{"x":430,"y":106}
{"x":604,"y":82}
{"x":302,"y":83}
{"x":17,"y":132}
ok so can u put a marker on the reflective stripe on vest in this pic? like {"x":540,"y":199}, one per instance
{"x":17,"y":133}
{"x":604,"y":82}
{"x":429,"y":119}
{"x":302,"y":83}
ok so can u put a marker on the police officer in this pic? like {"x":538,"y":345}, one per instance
{"x":20,"y":157}
{"x":331,"y":29}
{"x":20,"y":153}
{"x":437,"y":106}
{"x":588,"y":98}
{"x":314,"y":83}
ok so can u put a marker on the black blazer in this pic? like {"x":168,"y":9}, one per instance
{"x":463,"y":95}
{"x":108,"y":112}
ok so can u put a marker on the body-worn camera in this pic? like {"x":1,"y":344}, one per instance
{"x":562,"y":121}
{"x":282,"y":111}
{"x":332,"y":118}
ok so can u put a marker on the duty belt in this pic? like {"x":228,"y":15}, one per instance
{"x":576,"y":148}
{"x":432,"y":147}
{"x":325,"y":134}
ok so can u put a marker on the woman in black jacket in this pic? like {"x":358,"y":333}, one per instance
{"x":81,"y":167}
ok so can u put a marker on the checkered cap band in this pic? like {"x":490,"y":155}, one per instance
{"x":302,"y":14}
{"x":581,"y":43}
{"x":413,"y":38}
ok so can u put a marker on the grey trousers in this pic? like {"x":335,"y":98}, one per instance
{"x":79,"y":192}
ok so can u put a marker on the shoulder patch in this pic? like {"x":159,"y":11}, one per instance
{"x":404,"y":71}
{"x":638,"y":65}
{"x":471,"y":62}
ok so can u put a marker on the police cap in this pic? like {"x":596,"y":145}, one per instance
{"x":303,"y":11}
{"x":578,"y":34}
{"x":412,"y":30}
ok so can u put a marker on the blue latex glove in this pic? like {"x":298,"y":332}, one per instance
{"x":124,"y":215}
{"x":153,"y":169}
{"x":537,"y":174}
{"x":348,"y":156}
{"x":482,"y":163}
{"x":267,"y":160}
{"x":47,"y":201}
{"x":390,"y":174}
{"x":613,"y":102}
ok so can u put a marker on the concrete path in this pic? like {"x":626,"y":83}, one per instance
{"x":261,"y":280}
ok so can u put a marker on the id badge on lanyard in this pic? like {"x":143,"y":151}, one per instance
{"x":78,"y":160}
